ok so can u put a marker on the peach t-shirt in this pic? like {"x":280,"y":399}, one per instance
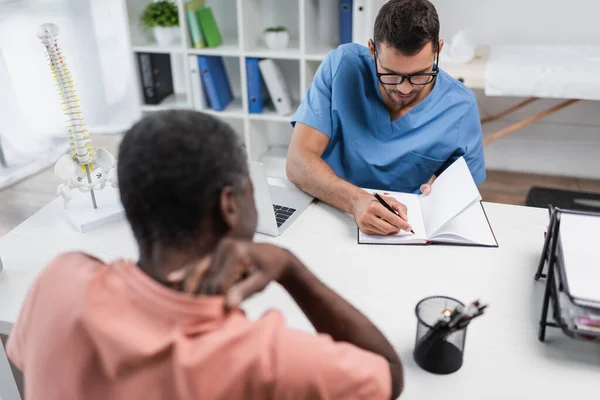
{"x":90,"y":330}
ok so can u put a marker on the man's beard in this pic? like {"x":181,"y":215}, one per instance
{"x":403,"y":102}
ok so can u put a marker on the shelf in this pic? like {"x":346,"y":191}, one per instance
{"x":271,"y":116}
{"x":317,"y":53}
{"x":315,"y":57}
{"x":173,"y":101}
{"x":269,"y":113}
{"x":154,"y":48}
{"x":291,"y":52}
{"x":235,"y":109}
{"x":312,"y":23}
{"x":229,"y":47}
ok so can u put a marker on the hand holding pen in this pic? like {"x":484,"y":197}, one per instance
{"x":386,"y":205}
{"x":373,"y":218}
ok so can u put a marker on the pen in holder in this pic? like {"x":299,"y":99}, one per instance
{"x":441,"y":332}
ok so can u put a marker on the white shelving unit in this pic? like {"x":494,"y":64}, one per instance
{"x":313,"y":29}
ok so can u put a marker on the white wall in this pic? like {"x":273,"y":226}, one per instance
{"x":566,"y":143}
{"x":94,"y":40}
{"x":515,"y":21}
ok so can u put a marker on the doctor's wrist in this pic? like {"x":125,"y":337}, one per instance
{"x":358,"y":201}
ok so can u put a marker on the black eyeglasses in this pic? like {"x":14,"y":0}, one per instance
{"x":421,"y":79}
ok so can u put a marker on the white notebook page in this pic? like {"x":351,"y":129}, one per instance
{"x":471,"y":224}
{"x":450,"y":194}
{"x":579,"y":240}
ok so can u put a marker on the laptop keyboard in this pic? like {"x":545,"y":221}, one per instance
{"x":282,"y":213}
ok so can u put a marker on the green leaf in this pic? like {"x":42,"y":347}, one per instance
{"x":160,"y":13}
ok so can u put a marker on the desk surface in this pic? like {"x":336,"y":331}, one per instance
{"x":503,"y":358}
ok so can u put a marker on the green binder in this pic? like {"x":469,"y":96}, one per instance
{"x":195,"y":31}
{"x":194,"y":5}
{"x":210,"y":30}
{"x":193,"y":26}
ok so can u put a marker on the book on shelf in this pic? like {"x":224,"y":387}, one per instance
{"x":156,"y":77}
{"x":360,"y":25}
{"x":199,"y":101}
{"x":194,"y":4}
{"x":345,"y":21}
{"x":191,"y":8}
{"x":215,"y":81}
{"x":276,"y":86}
{"x":208,"y":25}
{"x":328,"y":24}
{"x":257,"y":91}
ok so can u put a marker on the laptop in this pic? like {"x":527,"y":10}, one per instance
{"x":278,"y":207}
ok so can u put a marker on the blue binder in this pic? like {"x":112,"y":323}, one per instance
{"x":215,"y":81}
{"x":256,"y":91}
{"x":345,"y":21}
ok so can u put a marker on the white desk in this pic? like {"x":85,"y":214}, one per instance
{"x":503,"y":358}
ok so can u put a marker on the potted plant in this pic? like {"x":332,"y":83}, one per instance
{"x":276,"y":37}
{"x":163,"y":17}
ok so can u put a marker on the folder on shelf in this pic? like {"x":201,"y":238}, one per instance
{"x":256,"y":86}
{"x":208,"y":24}
{"x":328,"y":23}
{"x":215,"y":81}
{"x":345,"y":21}
{"x":196,"y":36}
{"x":199,"y":101}
{"x":194,"y":4}
{"x":156,"y":77}
{"x":360,"y":26}
{"x":276,"y":86}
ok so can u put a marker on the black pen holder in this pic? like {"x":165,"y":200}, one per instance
{"x":436,"y":351}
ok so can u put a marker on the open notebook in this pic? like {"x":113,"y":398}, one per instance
{"x":451,"y":214}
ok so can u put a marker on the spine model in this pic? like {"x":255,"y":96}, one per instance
{"x":82,"y":150}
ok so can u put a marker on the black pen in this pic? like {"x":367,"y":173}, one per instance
{"x":386,"y":205}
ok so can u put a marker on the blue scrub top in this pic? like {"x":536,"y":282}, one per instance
{"x":369,"y":150}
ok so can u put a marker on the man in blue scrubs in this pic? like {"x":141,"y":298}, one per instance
{"x":384,"y":117}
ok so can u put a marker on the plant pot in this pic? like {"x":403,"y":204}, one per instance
{"x":166,"y":36}
{"x":277,"y":40}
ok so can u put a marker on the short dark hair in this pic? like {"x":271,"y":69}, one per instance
{"x":407,"y":26}
{"x":172,"y":167}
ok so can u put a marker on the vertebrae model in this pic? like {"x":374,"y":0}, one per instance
{"x":84,"y":169}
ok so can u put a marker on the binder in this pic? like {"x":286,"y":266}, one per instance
{"x":328,"y":22}
{"x":194,"y":4}
{"x":210,"y":30}
{"x":345,"y":21}
{"x":156,"y":76}
{"x":360,"y":27}
{"x":215,"y":81}
{"x":276,"y":86}
{"x":194,"y":27}
{"x":256,"y":95}
{"x":199,"y":101}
